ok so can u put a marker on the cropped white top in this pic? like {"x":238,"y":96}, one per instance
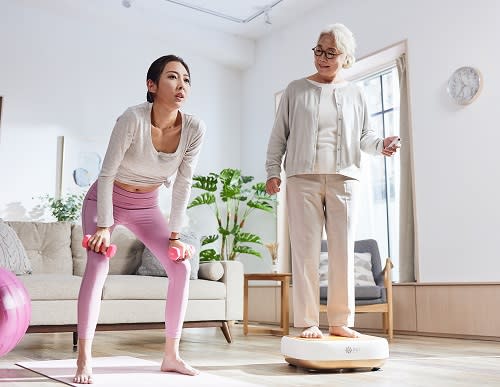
{"x":131,"y":158}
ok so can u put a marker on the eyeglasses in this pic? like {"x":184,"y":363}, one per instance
{"x":329,"y":54}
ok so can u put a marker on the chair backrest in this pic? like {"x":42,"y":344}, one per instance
{"x":366,"y":246}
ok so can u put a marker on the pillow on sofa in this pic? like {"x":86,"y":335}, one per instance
{"x":151,"y":265}
{"x":363,"y":275}
{"x":12,"y":253}
{"x":212,"y":270}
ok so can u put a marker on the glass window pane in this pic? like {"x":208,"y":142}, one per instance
{"x":379,"y":204}
{"x":377,"y":124}
{"x":371,"y":88}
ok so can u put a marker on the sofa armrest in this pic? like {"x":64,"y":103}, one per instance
{"x":233,"y":279}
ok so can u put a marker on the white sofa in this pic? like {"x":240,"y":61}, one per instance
{"x":129,"y":301}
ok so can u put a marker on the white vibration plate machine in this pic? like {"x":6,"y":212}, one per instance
{"x":335,"y":352}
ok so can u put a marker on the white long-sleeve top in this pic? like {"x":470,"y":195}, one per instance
{"x":131,"y":158}
{"x":328,"y":123}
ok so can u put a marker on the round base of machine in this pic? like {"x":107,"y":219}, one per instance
{"x":335,"y":352}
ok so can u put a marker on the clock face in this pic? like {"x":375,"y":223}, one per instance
{"x":464,"y":85}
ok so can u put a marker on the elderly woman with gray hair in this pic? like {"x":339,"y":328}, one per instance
{"x":322,"y":125}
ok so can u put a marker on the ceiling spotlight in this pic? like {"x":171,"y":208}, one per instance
{"x":127,"y":3}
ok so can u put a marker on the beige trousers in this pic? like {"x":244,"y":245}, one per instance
{"x":314,"y":201}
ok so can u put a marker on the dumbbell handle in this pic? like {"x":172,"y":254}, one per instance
{"x":109,"y":252}
{"x":174,"y":252}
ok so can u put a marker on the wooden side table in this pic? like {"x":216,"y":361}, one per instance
{"x":284,"y":279}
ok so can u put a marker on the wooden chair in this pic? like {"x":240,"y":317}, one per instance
{"x":371,"y":299}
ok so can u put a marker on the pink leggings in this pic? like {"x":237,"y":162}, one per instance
{"x":139,"y":212}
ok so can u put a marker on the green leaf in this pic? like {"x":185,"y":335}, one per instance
{"x":247,"y":179}
{"x":230,"y":177}
{"x":229,"y":192}
{"x":209,"y":239}
{"x":205,"y":198}
{"x":209,"y":255}
{"x":247,"y":250}
{"x":260,"y":187}
{"x":261,"y":205}
{"x":224,"y":232}
{"x":248,"y":238}
{"x":206,"y":183}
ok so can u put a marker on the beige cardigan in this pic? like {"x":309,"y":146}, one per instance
{"x":295,"y":131}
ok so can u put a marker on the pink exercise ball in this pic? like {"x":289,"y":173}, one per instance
{"x":15,"y":311}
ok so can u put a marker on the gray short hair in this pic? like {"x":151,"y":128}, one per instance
{"x":344,"y":39}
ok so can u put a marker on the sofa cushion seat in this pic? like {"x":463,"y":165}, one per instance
{"x":52,"y":286}
{"x":207,"y":290}
{"x":136,"y":287}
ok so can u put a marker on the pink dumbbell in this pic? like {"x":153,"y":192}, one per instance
{"x":174,"y":252}
{"x":109,"y":252}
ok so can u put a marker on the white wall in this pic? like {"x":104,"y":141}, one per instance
{"x":456,"y":179}
{"x":72,"y":74}
{"x":68,"y":73}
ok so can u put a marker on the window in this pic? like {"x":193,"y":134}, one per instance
{"x":378,"y":216}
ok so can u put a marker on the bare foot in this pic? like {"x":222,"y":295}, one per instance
{"x":178,"y":365}
{"x":312,"y":333}
{"x":83,"y":374}
{"x":343,"y":331}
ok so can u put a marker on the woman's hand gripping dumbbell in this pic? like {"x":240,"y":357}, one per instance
{"x":174,"y":252}
{"x":108,"y":252}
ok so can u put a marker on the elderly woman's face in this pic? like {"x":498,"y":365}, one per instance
{"x":328,"y":67}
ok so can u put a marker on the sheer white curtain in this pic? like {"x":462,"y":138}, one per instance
{"x":407,"y":231}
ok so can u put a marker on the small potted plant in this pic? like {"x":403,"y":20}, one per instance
{"x":273,"y":251}
{"x":66,"y":208}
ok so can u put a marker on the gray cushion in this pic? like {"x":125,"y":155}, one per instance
{"x":212,"y":270}
{"x":360,"y":293}
{"x":363,"y":295}
{"x":368,"y":292}
{"x":12,"y":253}
{"x":47,"y":244}
{"x":151,"y":266}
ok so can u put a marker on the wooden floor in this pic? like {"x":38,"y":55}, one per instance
{"x":414,"y":361}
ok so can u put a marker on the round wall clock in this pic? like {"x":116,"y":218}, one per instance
{"x":465,"y":85}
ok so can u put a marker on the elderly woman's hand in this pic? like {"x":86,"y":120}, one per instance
{"x":273,"y":185}
{"x":391,"y":145}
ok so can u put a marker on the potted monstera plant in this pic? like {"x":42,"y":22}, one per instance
{"x":232,"y":198}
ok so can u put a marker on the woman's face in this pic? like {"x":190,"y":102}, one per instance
{"x":328,"y":68}
{"x":173,"y":86}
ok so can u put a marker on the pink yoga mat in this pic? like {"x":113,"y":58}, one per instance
{"x":125,"y":371}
